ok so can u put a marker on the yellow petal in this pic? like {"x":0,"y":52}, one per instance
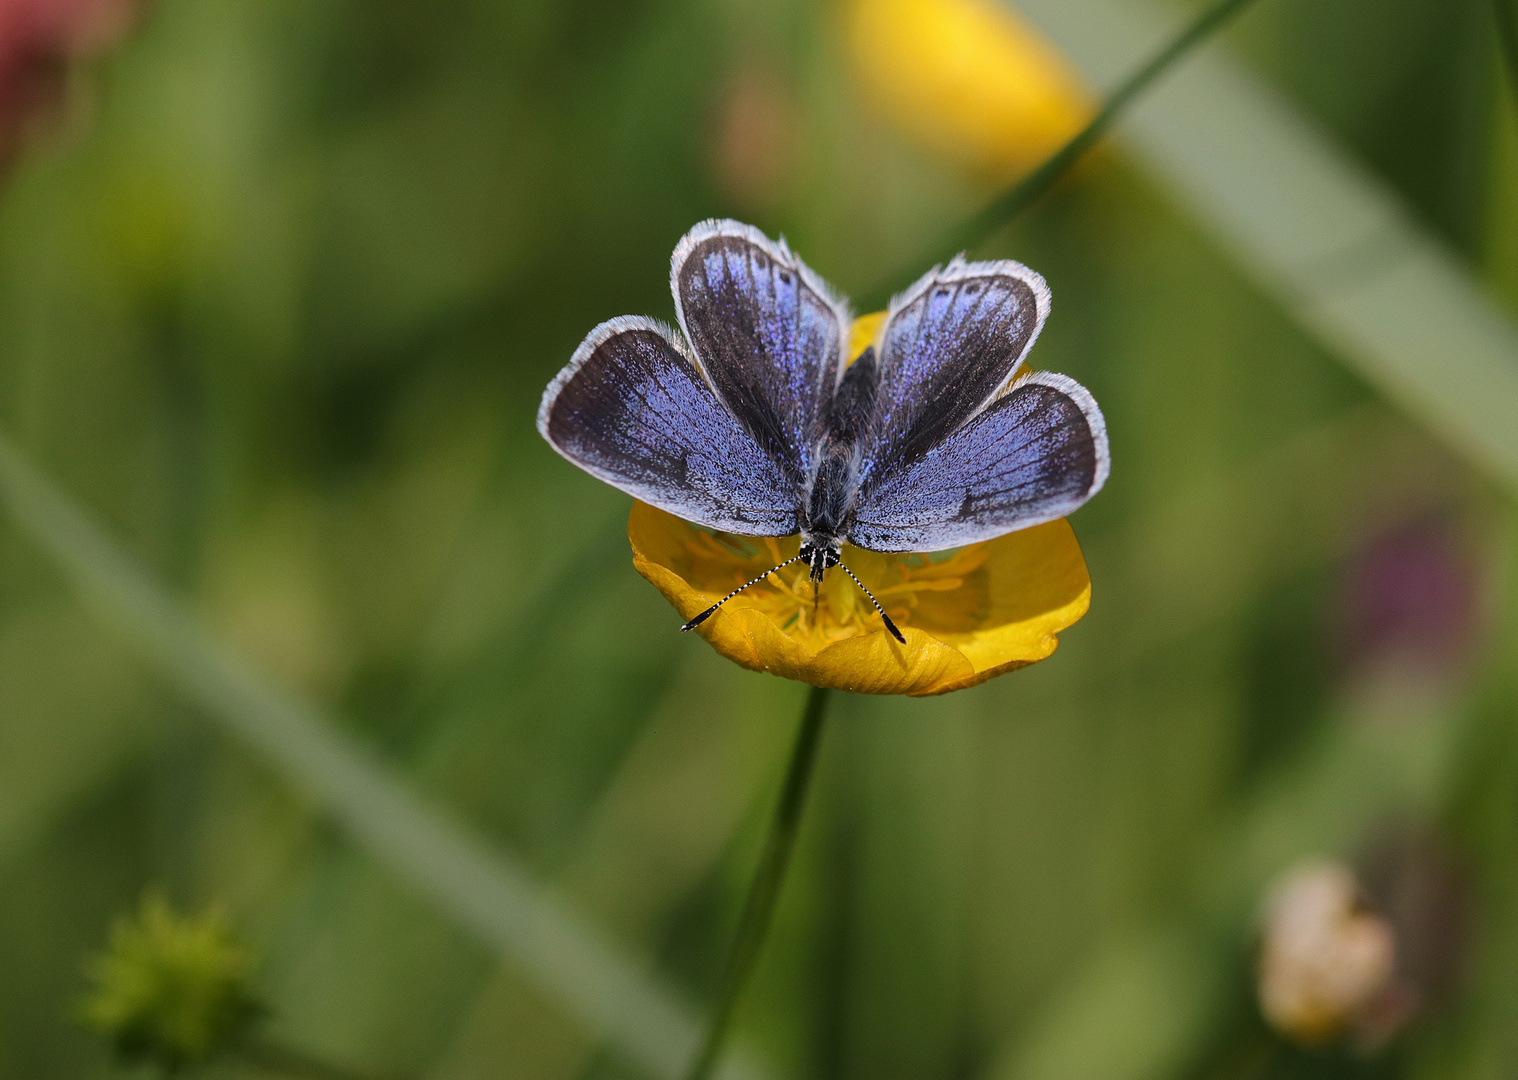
{"x":864,"y":332}
{"x":1014,"y":596}
{"x":970,"y":80}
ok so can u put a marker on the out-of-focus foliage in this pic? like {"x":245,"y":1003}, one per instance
{"x":170,"y":989}
{"x":39,"y":41}
{"x":278,"y":296}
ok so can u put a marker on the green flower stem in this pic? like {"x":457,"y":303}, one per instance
{"x":764,"y":891}
{"x":1028,"y":190}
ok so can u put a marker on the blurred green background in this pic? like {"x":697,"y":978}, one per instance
{"x":280,"y":288}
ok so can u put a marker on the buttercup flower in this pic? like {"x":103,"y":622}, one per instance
{"x":967,"y":615}
{"x":967,"y":79}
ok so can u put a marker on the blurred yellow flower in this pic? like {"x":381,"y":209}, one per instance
{"x":970,"y":80}
{"x":967,"y":615}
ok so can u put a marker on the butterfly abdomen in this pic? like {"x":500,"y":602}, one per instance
{"x":830,"y":506}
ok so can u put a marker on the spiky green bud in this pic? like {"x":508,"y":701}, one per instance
{"x":170,"y":989}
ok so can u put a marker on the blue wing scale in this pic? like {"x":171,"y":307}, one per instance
{"x":768,"y":333}
{"x":1035,"y":454}
{"x":632,"y":410}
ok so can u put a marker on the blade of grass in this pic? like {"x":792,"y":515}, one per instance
{"x":1337,"y":247}
{"x":489,"y":895}
{"x":1028,"y":190}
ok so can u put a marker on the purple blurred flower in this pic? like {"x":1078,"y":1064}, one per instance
{"x":1408,"y":601}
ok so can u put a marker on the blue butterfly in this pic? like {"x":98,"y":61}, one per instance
{"x":750,"y":420}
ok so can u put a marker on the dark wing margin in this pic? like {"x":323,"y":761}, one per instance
{"x":631,"y":409}
{"x":951,"y":343}
{"x":1035,"y":454}
{"x":769,"y":334}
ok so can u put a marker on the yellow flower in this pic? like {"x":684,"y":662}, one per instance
{"x":967,"y":615}
{"x":967,"y":79}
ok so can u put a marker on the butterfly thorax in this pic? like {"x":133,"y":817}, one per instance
{"x":830,"y":508}
{"x":833,"y":494}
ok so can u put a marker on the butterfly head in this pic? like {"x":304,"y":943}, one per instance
{"x":819,"y":553}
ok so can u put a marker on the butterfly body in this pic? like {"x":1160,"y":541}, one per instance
{"x":751,"y":420}
{"x":828,"y":509}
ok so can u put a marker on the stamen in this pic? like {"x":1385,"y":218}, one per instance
{"x":895,"y":633}
{"x":701,"y":618}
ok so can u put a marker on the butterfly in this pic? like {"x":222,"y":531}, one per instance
{"x":750,"y":420}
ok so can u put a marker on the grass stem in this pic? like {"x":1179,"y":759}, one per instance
{"x":764,"y":890}
{"x":1027,"y":191}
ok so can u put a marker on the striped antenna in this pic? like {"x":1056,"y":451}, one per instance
{"x":701,"y":618}
{"x":895,"y":633}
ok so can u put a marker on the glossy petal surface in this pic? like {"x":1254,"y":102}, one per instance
{"x":967,"y":615}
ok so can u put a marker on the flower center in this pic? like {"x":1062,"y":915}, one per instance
{"x":837,"y":609}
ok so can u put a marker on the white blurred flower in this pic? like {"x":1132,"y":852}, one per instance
{"x":1325,"y":957}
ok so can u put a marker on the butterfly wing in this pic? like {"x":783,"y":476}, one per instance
{"x":768,"y":333}
{"x":631,"y":409}
{"x":950,"y":343}
{"x":1033,"y":455}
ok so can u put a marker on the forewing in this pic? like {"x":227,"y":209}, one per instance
{"x":1035,"y":454}
{"x":632,"y":410}
{"x":766,"y":330}
{"x":950,"y":344}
